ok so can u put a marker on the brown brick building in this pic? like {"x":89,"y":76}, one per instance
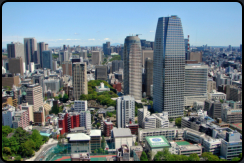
{"x":67,"y":68}
{"x":16,"y":65}
{"x":10,"y":80}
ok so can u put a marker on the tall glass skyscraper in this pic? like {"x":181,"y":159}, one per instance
{"x":169,"y":67}
{"x":132,"y":67}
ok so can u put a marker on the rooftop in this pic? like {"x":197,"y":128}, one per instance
{"x":121,"y":132}
{"x":95,"y":133}
{"x":78,"y":137}
{"x":157,"y":141}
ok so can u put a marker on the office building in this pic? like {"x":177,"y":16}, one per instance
{"x":34,"y":96}
{"x":169,"y":67}
{"x":15,"y":49}
{"x":80,"y":105}
{"x":213,"y":108}
{"x":149,"y":75}
{"x":121,"y":136}
{"x":61,"y":56}
{"x":39,"y":78}
{"x":39,"y":116}
{"x":162,"y":120}
{"x":132,"y":67}
{"x":216,"y":95}
{"x":196,"y":56}
{"x":125,"y":111}
{"x":96,"y":57}
{"x":196,"y":77}
{"x":52,"y":84}
{"x":211,"y":85}
{"x":67,"y":68}
{"x":46,"y":46}
{"x":16,"y":66}
{"x":79,"y":80}
{"x":83,"y":54}
{"x":101,"y":73}
{"x":142,"y":114}
{"x":31,"y":67}
{"x":95,"y":139}
{"x":29,"y":48}
{"x":21,"y":119}
{"x":40,"y":49}
{"x":8,"y":116}
{"x":230,"y":115}
{"x":47,"y":59}
{"x":149,"y":122}
{"x":146,"y":54}
{"x":107,"y":127}
{"x":80,"y":142}
{"x":29,"y":108}
{"x":116,"y":65}
{"x":55,"y":65}
{"x":212,"y":145}
{"x":10,"y":80}
{"x":133,"y":128}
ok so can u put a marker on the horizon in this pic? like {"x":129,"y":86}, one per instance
{"x":77,"y":27}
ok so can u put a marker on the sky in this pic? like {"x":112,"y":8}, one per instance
{"x":94,"y":23}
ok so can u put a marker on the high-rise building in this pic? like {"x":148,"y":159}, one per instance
{"x":146,"y":54}
{"x":79,"y":80}
{"x":40,"y":48}
{"x":15,"y":49}
{"x":47,"y":59}
{"x":101,"y":73}
{"x":85,"y":119}
{"x":196,"y":79}
{"x":34,"y":96}
{"x":83,"y":54}
{"x":169,"y":67}
{"x":80,"y":105}
{"x":21,"y":119}
{"x":16,"y":65}
{"x":96,"y":57}
{"x":55,"y":65}
{"x":67,"y":68}
{"x":10,"y":80}
{"x":29,"y":48}
{"x":132,"y":67}
{"x":46,"y":46}
{"x":197,"y":56}
{"x":116,"y":65}
{"x":125,"y":111}
{"x":149,"y":75}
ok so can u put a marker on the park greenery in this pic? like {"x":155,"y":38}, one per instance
{"x":115,"y":57}
{"x":89,"y":55}
{"x":55,"y":56}
{"x":21,"y":144}
{"x":104,"y":98}
{"x":178,"y":122}
{"x":144,"y":156}
{"x":8,"y":88}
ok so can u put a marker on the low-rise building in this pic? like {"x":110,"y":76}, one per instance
{"x":121,"y":136}
{"x":102,"y":88}
{"x":107,"y":127}
{"x":80,"y":157}
{"x":21,"y":119}
{"x":230,"y":115}
{"x":80,"y":142}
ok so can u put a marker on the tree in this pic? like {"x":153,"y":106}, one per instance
{"x":171,"y":119}
{"x":17,"y":158}
{"x":45,"y":139}
{"x":27,"y":148}
{"x":55,"y":110}
{"x":7,"y":150}
{"x":65,"y":98}
{"x":235,"y":159}
{"x":37,"y":138}
{"x":208,"y":156}
{"x":144,"y":156}
{"x":103,"y":142}
{"x":136,"y":143}
{"x":240,"y":155}
{"x":6,"y":130}
{"x":98,"y":125}
{"x":14,"y":145}
{"x":178,"y":122}
{"x":56,"y":98}
{"x":193,"y":157}
{"x":83,"y":97}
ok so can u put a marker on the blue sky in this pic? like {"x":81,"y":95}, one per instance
{"x":94,"y":23}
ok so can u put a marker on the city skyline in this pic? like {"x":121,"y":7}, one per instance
{"x":69,"y":23}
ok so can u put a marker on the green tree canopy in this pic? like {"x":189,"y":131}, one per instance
{"x":235,"y":159}
{"x":65,"y":98}
{"x":37,"y":138}
{"x":6,"y":130}
{"x":208,"y":156}
{"x":144,"y":156}
{"x":194,"y":157}
{"x":178,"y":122}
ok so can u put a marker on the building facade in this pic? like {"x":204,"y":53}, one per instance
{"x":169,"y":67}
{"x":34,"y":96}
{"x":29,"y":49}
{"x":16,"y":66}
{"x":47,"y":59}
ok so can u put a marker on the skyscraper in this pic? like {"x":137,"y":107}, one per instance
{"x":47,"y":59}
{"x":79,"y":79}
{"x":169,"y":67}
{"x":16,"y":65}
{"x":149,"y":75}
{"x":40,"y":48}
{"x":125,"y":111}
{"x":132,"y":67}
{"x":96,"y":57}
{"x":29,"y":48}
{"x":15,"y":50}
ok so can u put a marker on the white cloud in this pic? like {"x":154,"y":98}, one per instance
{"x":106,"y":39}
{"x":76,"y":34}
{"x":59,"y":39}
{"x":91,"y":39}
{"x":76,"y":39}
{"x":68,"y":39}
{"x":151,"y":31}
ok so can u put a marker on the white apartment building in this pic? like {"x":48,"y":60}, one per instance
{"x":80,"y":105}
{"x":162,"y":120}
{"x":34,"y":96}
{"x":142,"y":113}
{"x":149,"y":122}
{"x":212,"y":145}
{"x":125,"y":111}
{"x":85,"y":119}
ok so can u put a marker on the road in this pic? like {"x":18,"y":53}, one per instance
{"x":42,"y":152}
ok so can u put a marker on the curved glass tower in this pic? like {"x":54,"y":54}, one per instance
{"x":169,"y":67}
{"x":132,"y":67}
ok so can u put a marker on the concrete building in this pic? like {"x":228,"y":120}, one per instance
{"x":132,"y":57}
{"x":8,"y":116}
{"x":80,"y":105}
{"x":162,"y":120}
{"x":146,"y":54}
{"x":34,"y":96}
{"x":216,"y":95}
{"x":40,"y":48}
{"x":96,"y":57}
{"x":16,"y":66}
{"x":212,"y":145}
{"x":39,"y":116}
{"x":102,"y":88}
{"x":196,"y":77}
{"x":232,"y":146}
{"x":52,"y":84}
{"x":31,"y":67}
{"x":116,"y":65}
{"x":125,"y":111}
{"x":121,"y":136}
{"x":79,"y":80}
{"x":101,"y":73}
{"x":123,"y":153}
{"x":85,"y":119}
{"x":80,"y":142}
{"x":149,"y":122}
{"x":142,"y":114}
{"x":230,"y":115}
{"x":67,"y":68}
{"x":107,"y":127}
{"x":83,"y":54}
{"x":168,"y":79}
{"x":29,"y":47}
{"x":80,"y":156}
{"x":29,"y":108}
{"x":149,"y":75}
{"x":21,"y":119}
{"x":10,"y":80}
{"x":15,"y":49}
{"x":213,"y":108}
{"x":197,"y":56}
{"x":47,"y":59}
{"x":155,"y":144}
{"x":211,"y":85}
